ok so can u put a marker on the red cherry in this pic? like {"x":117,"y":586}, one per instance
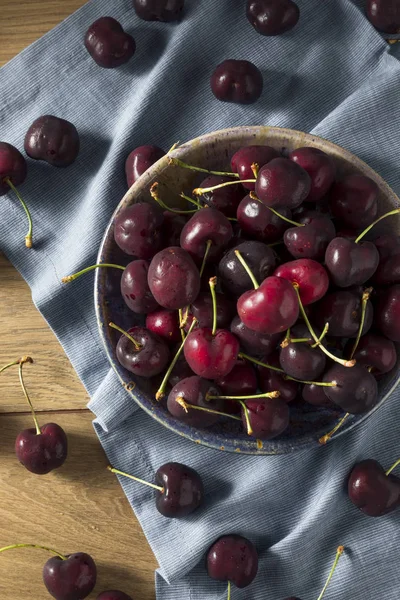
{"x":211,"y":356}
{"x":311,"y":277}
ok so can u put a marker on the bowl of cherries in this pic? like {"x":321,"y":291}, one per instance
{"x":250,"y":295}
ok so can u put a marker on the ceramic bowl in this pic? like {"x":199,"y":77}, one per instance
{"x":213,"y":151}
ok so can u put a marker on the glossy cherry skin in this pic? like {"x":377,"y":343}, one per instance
{"x":42,"y":453}
{"x":384,"y":15}
{"x":241,"y":381}
{"x":349,"y":263}
{"x":310,"y":241}
{"x":183,"y":490}
{"x":211,"y":356}
{"x":272,"y":17}
{"x":70,"y":579}
{"x":260,"y":258}
{"x":354,"y":201}
{"x":388,"y":245}
{"x":137,"y":230}
{"x":194,"y":390}
{"x":233,"y":558}
{"x":282,"y":182}
{"x":299,"y":359}
{"x":108,"y":44}
{"x":225,"y":199}
{"x":371,"y":490}
{"x":238,"y":81}
{"x":311,"y":277}
{"x":206,"y":224}
{"x":139,"y":160}
{"x":171,"y":229}
{"x":12,"y":165}
{"x":268,"y":417}
{"x":272,"y":308}
{"x":53,"y":140}
{"x":242,"y":160}
{"x":257,"y":344}
{"x":388,"y":271}
{"x":387,"y":314}
{"x":135,"y":289}
{"x":159,"y":10}
{"x":256,"y":220}
{"x":342,"y":311}
{"x":150,"y":360}
{"x":375,"y":351}
{"x":320,"y":167}
{"x":273,"y":381}
{"x":174,"y":279}
{"x":315,"y":395}
{"x":113,"y":595}
{"x":164,"y":323}
{"x":356,"y":390}
{"x":180,"y":371}
{"x":202,"y":309}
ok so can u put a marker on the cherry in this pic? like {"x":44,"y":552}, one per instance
{"x":108,"y":44}
{"x":159,"y":10}
{"x":257,"y":220}
{"x":248,"y":159}
{"x":356,"y":390}
{"x":164,"y":323}
{"x":388,"y":271}
{"x":373,"y":491}
{"x":311,"y":277}
{"x":315,"y":395}
{"x":272,"y":17}
{"x":53,"y":140}
{"x":387,"y":245}
{"x":271,"y":379}
{"x":351,"y":263}
{"x":202,"y":310}
{"x":310,"y":241}
{"x":282,"y":182}
{"x":135,"y":288}
{"x":375,"y":351}
{"x":320,"y":167}
{"x":206,"y":224}
{"x":181,"y":370}
{"x":211,"y":355}
{"x":137,"y":230}
{"x":139,"y":160}
{"x":354,"y":201}
{"x":226,"y":199}
{"x":265,"y":419}
{"x":237,"y":81}
{"x":141,"y":352}
{"x":260,"y":258}
{"x":241,"y":381}
{"x":299,"y":359}
{"x":70,"y":578}
{"x":194,"y":391}
{"x":172,"y":227}
{"x":384,"y":15}
{"x":113,"y":595}
{"x":387,"y":315}
{"x":173,"y":278}
{"x":342,"y":311}
{"x":259,"y":344}
{"x":233,"y":558}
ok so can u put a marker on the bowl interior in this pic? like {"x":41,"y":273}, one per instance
{"x":213,"y":151}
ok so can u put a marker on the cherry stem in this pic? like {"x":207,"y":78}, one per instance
{"x":17,"y":362}
{"x":180,"y":163}
{"x":184,"y":317}
{"x":28,"y":237}
{"x":38,"y":432}
{"x":275,"y":244}
{"x":255,"y":167}
{"x":253,"y":396}
{"x":200,"y":191}
{"x":341,"y":361}
{"x":174,"y":147}
{"x":288,"y":341}
{"x":247,"y":269}
{"x":155,"y":195}
{"x":364,"y":302}
{"x":180,"y":324}
{"x":321,"y":337}
{"x":258,"y":362}
{"x":34,"y":546}
{"x":189,"y":199}
{"x":247,"y":418}
{"x":127,"y":335}
{"x":278,"y":214}
{"x":185,"y":405}
{"x":325,"y":438}
{"x":393,"y":467}
{"x":70,"y":278}
{"x":389,"y":214}
{"x":213,"y":282}
{"x":203,"y":264}
{"x":339,"y":553}
{"x":161,"y":390}
{"x":153,"y":485}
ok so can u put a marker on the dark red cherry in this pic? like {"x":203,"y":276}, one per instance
{"x":371,"y":490}
{"x":260,"y":258}
{"x":273,"y":381}
{"x":311,"y":277}
{"x":113,"y":595}
{"x":387,"y":314}
{"x":211,"y":356}
{"x":387,"y":245}
{"x":135,"y":288}
{"x":44,"y":452}
{"x":180,"y":371}
{"x":356,"y":390}
{"x":71,"y":579}
{"x":375,"y":351}
{"x":354,"y":201}
{"x":202,"y":309}
{"x":12,"y":165}
{"x":272,"y":17}
{"x":282,"y":182}
{"x":225,"y":199}
{"x":139,"y":160}
{"x":174,"y":279}
{"x":108,"y":44}
{"x":256,"y":220}
{"x":384,"y":15}
{"x":320,"y":167}
{"x":241,"y":381}
{"x":53,"y":140}
{"x":349,"y":263}
{"x":164,"y":323}
{"x":159,"y":10}
{"x":342,"y":311}
{"x":310,"y":241}
{"x":237,"y":81}
{"x":137,"y":230}
{"x":315,"y":395}
{"x":171,"y":229}
{"x":206,"y":224}
{"x":268,"y":417}
{"x":253,"y":342}
{"x":149,"y":359}
{"x":245,"y":157}
{"x":183,"y":490}
{"x":233,"y":558}
{"x":195,"y":390}
{"x":388,"y":271}
{"x":299,"y":359}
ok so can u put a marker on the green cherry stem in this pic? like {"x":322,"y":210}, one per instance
{"x":259,"y":363}
{"x":200,"y":191}
{"x":255,"y":167}
{"x":339,"y":553}
{"x":396,"y":464}
{"x":176,"y":162}
{"x":252,"y":397}
{"x":345,"y":363}
{"x":321,"y":337}
{"x":127,"y":335}
{"x":28,"y":237}
{"x":212,"y":283}
{"x":161,"y":390}
{"x":153,"y":485}
{"x":254,"y":196}
{"x":203,"y":264}
{"x":186,"y":406}
{"x":229,"y":590}
{"x":364,"y":302}
{"x":34,"y":546}
{"x":17,"y":362}
{"x":21,"y":379}
{"x":325,"y":438}
{"x":69,"y":278}
{"x":189,"y":199}
{"x":388,"y":214}
{"x":278,"y":370}
{"x":180,"y":327}
{"x":155,"y":195}
{"x":174,"y":147}
{"x":247,"y":418}
{"x":247,"y":269}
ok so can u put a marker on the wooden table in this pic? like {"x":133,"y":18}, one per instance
{"x":81,"y":507}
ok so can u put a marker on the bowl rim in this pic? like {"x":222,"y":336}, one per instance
{"x":300,"y":138}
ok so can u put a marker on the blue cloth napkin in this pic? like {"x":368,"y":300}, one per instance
{"x":333,"y":76}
